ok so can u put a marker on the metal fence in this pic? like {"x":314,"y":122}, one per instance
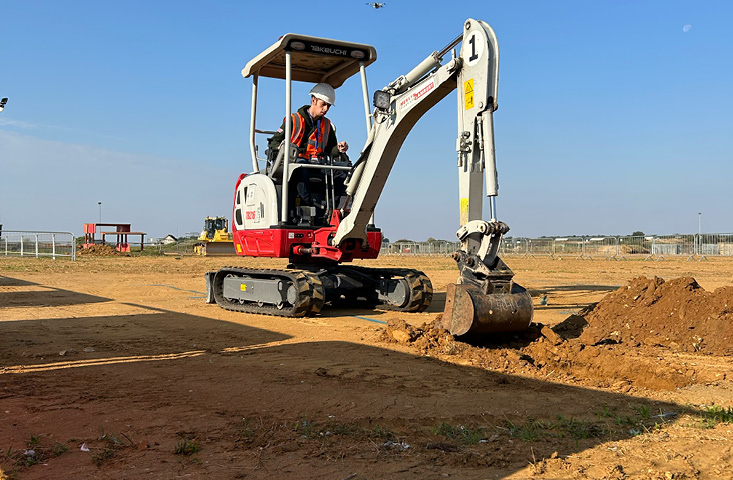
{"x":657,"y":247}
{"x":419,"y":248}
{"x":37,"y":244}
{"x":182,"y":247}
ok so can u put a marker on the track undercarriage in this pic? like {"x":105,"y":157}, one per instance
{"x":302,"y":290}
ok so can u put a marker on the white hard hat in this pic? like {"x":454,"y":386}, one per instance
{"x":324,"y":92}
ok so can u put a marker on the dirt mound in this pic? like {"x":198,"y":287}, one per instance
{"x":544,"y":354}
{"x":618,"y":342}
{"x":99,"y":250}
{"x":677,"y":314}
{"x":428,"y":338}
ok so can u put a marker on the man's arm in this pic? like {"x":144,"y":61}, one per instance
{"x":274,"y":141}
{"x":332,"y":147}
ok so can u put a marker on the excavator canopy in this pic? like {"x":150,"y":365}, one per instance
{"x":313,"y":59}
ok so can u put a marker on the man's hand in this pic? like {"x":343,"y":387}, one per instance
{"x":343,"y":146}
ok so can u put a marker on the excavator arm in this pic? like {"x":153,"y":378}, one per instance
{"x":485,"y":299}
{"x":398,"y":107}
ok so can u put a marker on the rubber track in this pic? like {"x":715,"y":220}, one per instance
{"x":421,"y":289}
{"x":310,"y":292}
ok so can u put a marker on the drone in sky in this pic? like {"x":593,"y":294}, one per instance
{"x":377,"y":5}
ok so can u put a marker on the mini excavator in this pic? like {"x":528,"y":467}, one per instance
{"x":320,"y":239}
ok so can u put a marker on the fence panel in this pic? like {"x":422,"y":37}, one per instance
{"x":677,"y":245}
{"x":716,"y":244}
{"x":37,"y":244}
{"x":419,"y":248}
{"x":632,"y":246}
{"x":540,"y":247}
{"x":568,"y":247}
{"x":513,"y":246}
{"x":597,"y":247}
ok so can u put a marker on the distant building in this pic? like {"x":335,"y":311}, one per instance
{"x":168,"y":240}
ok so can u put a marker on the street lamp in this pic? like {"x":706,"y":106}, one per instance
{"x":699,"y":231}
{"x":699,"y":223}
{"x":100,"y":211}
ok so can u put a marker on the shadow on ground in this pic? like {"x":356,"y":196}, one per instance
{"x":265,"y":405}
{"x":42,"y":297}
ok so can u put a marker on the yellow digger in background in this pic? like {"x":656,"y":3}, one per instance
{"x":215,"y":238}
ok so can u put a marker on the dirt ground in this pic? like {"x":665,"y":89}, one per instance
{"x":114,"y":367}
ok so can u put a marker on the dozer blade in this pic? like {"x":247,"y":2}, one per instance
{"x":217,"y":249}
{"x":470,"y":311}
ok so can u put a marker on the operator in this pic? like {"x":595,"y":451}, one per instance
{"x":311,"y":131}
{"x":314,"y":135}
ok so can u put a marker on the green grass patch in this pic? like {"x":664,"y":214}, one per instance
{"x":608,"y":423}
{"x":460,"y":433}
{"x":714,"y":415}
{"x":187,"y":447}
{"x":311,"y":429}
{"x":246,"y":429}
{"x":110,"y":446}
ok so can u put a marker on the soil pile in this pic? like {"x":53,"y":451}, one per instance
{"x":429,"y":338}
{"x":677,"y":314}
{"x":98,"y":250}
{"x":617,"y":343}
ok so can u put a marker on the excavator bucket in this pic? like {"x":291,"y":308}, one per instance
{"x":470,"y":311}
{"x":485,"y":299}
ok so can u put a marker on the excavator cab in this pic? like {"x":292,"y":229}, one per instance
{"x":307,"y":192}
{"x":215,"y":228}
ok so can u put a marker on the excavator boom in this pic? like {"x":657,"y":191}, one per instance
{"x":485,"y":284}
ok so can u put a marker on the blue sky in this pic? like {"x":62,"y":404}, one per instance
{"x":614,"y":116}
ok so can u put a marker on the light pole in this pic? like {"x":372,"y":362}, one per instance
{"x":699,"y":223}
{"x":100,"y":211}
{"x":699,"y":231}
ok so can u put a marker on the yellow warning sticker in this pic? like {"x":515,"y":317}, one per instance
{"x":464,"y":211}
{"x":243,"y":287}
{"x":239,"y":248}
{"x":468,"y":93}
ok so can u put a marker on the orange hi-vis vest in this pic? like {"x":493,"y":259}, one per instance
{"x":316,"y":141}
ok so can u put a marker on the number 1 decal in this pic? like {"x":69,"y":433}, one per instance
{"x":474,"y":55}
{"x":473,"y":48}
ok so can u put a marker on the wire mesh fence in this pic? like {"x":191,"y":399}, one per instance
{"x":37,"y":244}
{"x":655,"y":247}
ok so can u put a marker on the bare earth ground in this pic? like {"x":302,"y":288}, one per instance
{"x":114,"y":367}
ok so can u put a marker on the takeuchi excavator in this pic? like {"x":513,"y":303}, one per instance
{"x":321,"y":238}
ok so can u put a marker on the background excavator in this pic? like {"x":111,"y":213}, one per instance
{"x":320,"y":239}
{"x":215,"y":238}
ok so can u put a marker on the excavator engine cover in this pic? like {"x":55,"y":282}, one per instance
{"x":470,"y":311}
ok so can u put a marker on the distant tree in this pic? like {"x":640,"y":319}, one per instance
{"x":404,"y":240}
{"x":439,"y":240}
{"x":637,"y":233}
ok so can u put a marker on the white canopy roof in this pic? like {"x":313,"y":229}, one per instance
{"x":313,"y":59}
